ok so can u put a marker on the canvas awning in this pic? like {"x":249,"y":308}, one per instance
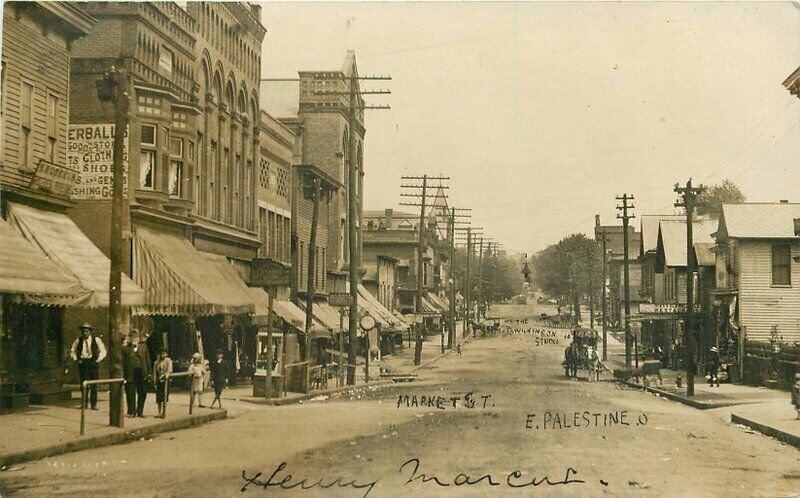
{"x":438,"y":303}
{"x":286,"y":310}
{"x":428,"y":307}
{"x":60,"y":239}
{"x":178,"y":280}
{"x":30,"y":275}
{"x":328,"y":316}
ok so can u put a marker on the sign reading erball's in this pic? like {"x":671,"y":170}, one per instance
{"x":367,"y":323}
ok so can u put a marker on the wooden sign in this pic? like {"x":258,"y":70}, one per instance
{"x":265,"y":272}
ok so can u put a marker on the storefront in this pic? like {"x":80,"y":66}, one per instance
{"x":192,"y":304}
{"x":43,"y":335}
{"x":33,"y":294}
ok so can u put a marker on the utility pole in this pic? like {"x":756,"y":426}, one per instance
{"x":115,"y":88}
{"x":316,"y":186}
{"x":468,"y":288}
{"x":625,"y":217}
{"x":689,"y":200}
{"x":480,"y":277}
{"x":452,"y":236}
{"x":420,"y":191}
{"x":354,"y":171}
{"x":605,"y":298}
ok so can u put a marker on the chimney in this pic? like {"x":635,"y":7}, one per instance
{"x":388,"y":216}
{"x":256,"y":11}
{"x":597,"y":220}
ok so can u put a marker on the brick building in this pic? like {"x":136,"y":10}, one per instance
{"x":394,"y":234}
{"x":192,"y":149}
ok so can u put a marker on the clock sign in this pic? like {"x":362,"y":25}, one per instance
{"x":367,"y":323}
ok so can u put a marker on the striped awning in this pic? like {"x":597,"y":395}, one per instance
{"x":31,"y":276}
{"x":438,"y":302}
{"x":428,"y":307}
{"x":288,"y":311}
{"x":60,"y":239}
{"x":328,"y":316}
{"x":178,"y":280}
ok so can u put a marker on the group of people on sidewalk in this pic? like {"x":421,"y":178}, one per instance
{"x":88,"y":351}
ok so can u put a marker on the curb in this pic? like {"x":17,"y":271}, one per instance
{"x":772,"y":432}
{"x":339,"y":390}
{"x":305,"y":397}
{"x":681,"y":399}
{"x":124,"y":436}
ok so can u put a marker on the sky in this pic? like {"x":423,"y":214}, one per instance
{"x":541,"y":113}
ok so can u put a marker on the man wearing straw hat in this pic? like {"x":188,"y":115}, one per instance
{"x":88,"y":351}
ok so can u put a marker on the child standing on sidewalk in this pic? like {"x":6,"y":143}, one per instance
{"x":196,"y":372}
{"x":161,"y":370}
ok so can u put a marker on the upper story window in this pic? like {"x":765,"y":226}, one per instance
{"x":175,"y":176}
{"x":52,"y":127}
{"x":165,"y":58}
{"x":26,"y":122}
{"x":781,"y":264}
{"x":147,"y":157}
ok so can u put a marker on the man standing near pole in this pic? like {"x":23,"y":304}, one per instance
{"x":88,"y":351}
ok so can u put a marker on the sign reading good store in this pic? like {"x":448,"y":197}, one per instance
{"x":90,"y":152}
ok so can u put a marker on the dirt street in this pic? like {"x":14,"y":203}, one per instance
{"x":518,"y":428}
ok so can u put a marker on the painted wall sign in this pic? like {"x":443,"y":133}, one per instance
{"x":90,"y":152}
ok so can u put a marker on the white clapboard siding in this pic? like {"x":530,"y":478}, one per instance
{"x":761,"y":304}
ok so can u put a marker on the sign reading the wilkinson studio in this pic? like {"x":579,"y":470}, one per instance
{"x":90,"y":152}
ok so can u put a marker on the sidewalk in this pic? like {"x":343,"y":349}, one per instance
{"x":402,"y":363}
{"x":45,"y":430}
{"x":764,"y":410}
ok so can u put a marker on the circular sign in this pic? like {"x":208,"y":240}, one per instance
{"x":367,"y":323}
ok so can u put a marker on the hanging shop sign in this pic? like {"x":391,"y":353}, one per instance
{"x":53,"y":178}
{"x":265,"y":272}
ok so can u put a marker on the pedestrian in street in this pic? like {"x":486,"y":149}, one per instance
{"x":161,"y":370}
{"x":196,"y":373}
{"x":458,"y":349}
{"x":574,"y":362}
{"x":219,"y":376}
{"x":713,"y":365}
{"x":88,"y":351}
{"x":796,"y":394}
{"x":136,"y":370}
{"x":567,"y":356}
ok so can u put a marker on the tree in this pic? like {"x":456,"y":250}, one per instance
{"x":710,"y":202}
{"x":569,"y":270}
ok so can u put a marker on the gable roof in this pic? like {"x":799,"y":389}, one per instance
{"x":759,"y":220}
{"x":649,"y":227}
{"x":703,"y":254}
{"x":671,"y":249}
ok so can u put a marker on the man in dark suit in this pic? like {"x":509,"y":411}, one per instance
{"x":219,"y":375}
{"x":88,"y":351}
{"x":136,"y":366}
